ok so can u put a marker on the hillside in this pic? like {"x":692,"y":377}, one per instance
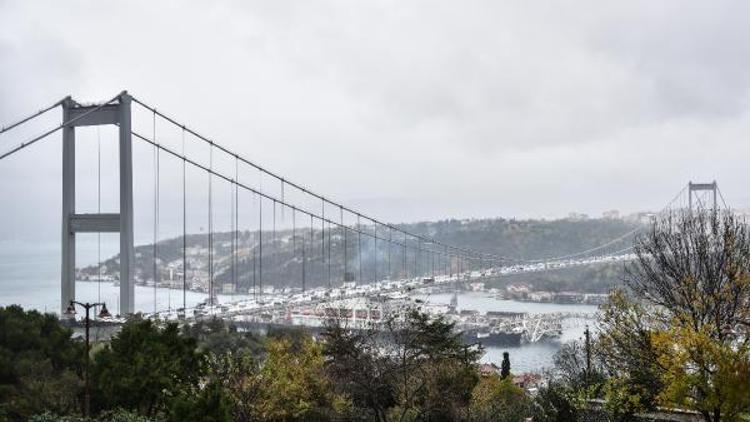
{"x":283,"y":253}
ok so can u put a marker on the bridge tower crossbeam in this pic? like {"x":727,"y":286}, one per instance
{"x":702,"y":187}
{"x":80,"y":115}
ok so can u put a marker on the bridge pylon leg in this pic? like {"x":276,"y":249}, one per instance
{"x":68,"y":261}
{"x":78,"y":115}
{"x":127,"y":253}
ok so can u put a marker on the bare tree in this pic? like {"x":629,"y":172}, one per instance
{"x":681,"y":332}
{"x":693,"y":264}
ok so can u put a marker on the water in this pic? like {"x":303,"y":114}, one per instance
{"x":30,"y":277}
{"x":528,"y":357}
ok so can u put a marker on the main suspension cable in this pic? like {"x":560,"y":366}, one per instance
{"x":311,"y":193}
{"x":4,"y":129}
{"x":262,"y":196}
{"x":38,"y":138}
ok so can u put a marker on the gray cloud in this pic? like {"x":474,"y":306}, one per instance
{"x":475,"y":108}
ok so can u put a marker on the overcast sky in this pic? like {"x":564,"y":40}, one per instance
{"x":411,"y":109}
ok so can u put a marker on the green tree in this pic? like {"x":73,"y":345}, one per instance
{"x":571,"y":368}
{"x":220,"y":337}
{"x":554,"y":403}
{"x":118,"y":415}
{"x":495,"y":398}
{"x":421,"y":345}
{"x":358,"y":369}
{"x":630,"y":357}
{"x":39,"y":365}
{"x":208,"y":403}
{"x":232,"y":371}
{"x":237,"y":373}
{"x":505,"y":366}
{"x":411,"y":369}
{"x":143,"y":366}
{"x":571,"y":383}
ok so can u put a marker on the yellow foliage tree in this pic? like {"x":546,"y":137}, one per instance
{"x":702,"y":373}
{"x":292,"y":384}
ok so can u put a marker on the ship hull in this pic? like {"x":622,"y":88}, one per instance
{"x":492,"y":339}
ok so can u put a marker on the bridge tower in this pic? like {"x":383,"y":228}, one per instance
{"x":111,"y":114}
{"x":701,"y":187}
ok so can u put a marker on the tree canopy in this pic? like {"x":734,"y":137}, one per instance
{"x":39,"y":364}
{"x":679,"y":335}
{"x":143,"y":366}
{"x":416,"y":369}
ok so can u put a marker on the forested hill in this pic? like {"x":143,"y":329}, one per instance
{"x":283,"y":253}
{"x":527,"y":239}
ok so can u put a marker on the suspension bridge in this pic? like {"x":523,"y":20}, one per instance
{"x":276,"y":226}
